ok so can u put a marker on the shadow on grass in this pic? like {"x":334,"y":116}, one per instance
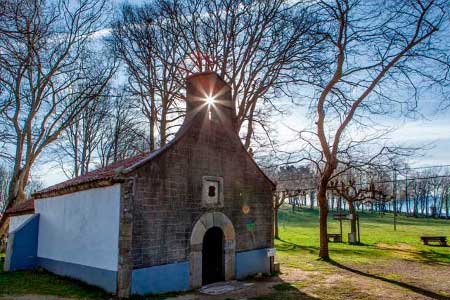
{"x":361,"y":249}
{"x":292,"y":246}
{"x":434,"y":258}
{"x":410,"y":287}
{"x":285,"y":291}
{"x":430,"y":257}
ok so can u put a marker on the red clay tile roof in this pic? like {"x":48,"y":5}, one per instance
{"x":22,"y":207}
{"x":110,"y":172}
{"x":102,"y":174}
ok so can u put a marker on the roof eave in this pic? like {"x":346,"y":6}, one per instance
{"x":78,"y":188}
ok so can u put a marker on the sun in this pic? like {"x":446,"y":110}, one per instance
{"x":210,"y":100}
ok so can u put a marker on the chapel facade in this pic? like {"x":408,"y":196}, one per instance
{"x":197,"y":211}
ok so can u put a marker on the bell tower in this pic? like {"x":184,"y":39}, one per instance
{"x":209,"y":97}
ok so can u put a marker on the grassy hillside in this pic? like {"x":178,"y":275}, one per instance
{"x":299,"y":239}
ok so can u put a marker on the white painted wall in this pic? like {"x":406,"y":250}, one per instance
{"x":16,"y":221}
{"x":81,"y":228}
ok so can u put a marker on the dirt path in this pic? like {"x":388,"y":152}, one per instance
{"x":396,"y":279}
{"x":259,"y":287}
{"x":399,"y":279}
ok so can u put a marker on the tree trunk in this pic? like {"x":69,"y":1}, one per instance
{"x":248,"y":136}
{"x":17,"y":186}
{"x":16,"y":190}
{"x":446,"y":205}
{"x":19,"y":180}
{"x":275,"y":221}
{"x":152,"y":134}
{"x":415,"y":208}
{"x":351,"y":209}
{"x":323,"y":206}
{"x":163,"y":127}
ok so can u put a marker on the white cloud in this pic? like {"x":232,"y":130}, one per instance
{"x":423,"y":131}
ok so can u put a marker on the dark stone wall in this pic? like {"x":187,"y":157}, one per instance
{"x":168,"y":192}
{"x":125,"y":263}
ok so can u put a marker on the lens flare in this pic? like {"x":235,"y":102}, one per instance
{"x":210,"y":100}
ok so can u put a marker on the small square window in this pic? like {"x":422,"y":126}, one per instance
{"x":212,"y":191}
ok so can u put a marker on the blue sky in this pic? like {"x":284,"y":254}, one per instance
{"x":434,"y":131}
{"x":431,"y":129}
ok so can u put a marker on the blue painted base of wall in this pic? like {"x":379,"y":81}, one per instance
{"x":175,"y":277}
{"x":102,"y":278}
{"x":252,"y":262}
{"x":22,"y":246}
{"x":160,"y":279}
{"x":22,"y":253}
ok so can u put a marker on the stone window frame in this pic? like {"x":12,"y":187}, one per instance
{"x":219,"y":180}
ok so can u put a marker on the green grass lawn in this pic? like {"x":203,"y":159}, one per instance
{"x":381,"y":247}
{"x":43,"y":283}
{"x":298,"y":245}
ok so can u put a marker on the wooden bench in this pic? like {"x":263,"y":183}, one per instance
{"x":441,"y":239}
{"x":340,"y":216}
{"x":336,"y":237}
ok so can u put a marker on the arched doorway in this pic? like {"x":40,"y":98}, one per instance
{"x":220,"y":225}
{"x":212,"y":256}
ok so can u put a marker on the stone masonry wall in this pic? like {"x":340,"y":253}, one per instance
{"x":125,"y":264}
{"x":168,"y":193}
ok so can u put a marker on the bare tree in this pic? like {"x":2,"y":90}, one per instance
{"x":106,"y":131}
{"x":428,"y":192}
{"x":152,"y":63}
{"x":291,"y":182}
{"x":259,"y":47}
{"x":76,"y":149}
{"x":278,"y":200}
{"x":445,"y":194}
{"x":122,"y":135}
{"x":34,"y":184}
{"x":357,"y":186}
{"x":4,"y":184}
{"x":373,"y":49}
{"x":48,"y":75}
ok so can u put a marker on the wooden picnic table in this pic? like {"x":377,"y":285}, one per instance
{"x":336,"y":237}
{"x":442,"y":240}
